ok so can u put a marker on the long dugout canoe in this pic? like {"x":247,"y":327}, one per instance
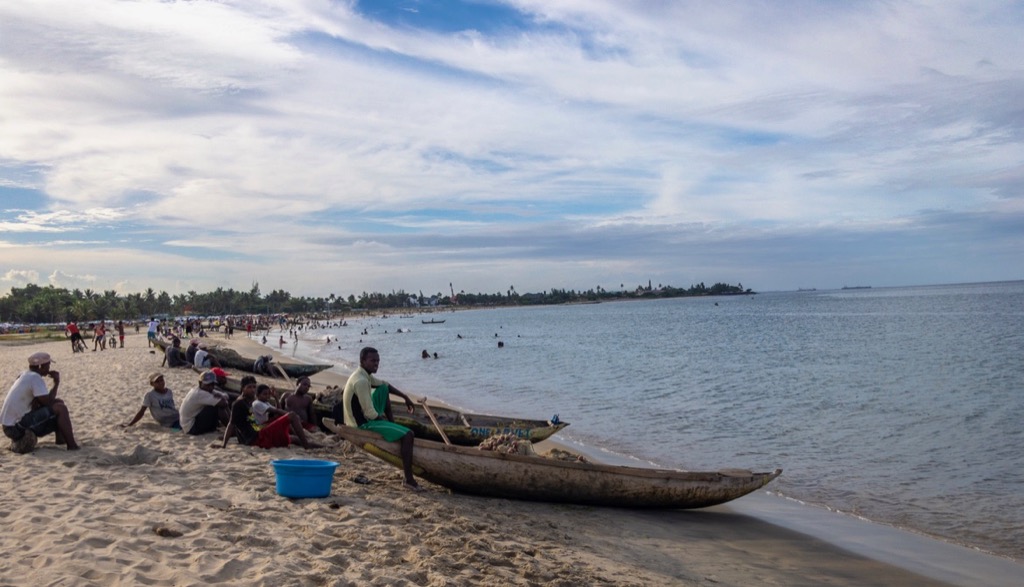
{"x":465,"y":429}
{"x":230,"y":359}
{"x":532,"y":478}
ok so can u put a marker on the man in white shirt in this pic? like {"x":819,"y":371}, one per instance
{"x":203,"y":408}
{"x":30,"y":409}
{"x":154,"y":325}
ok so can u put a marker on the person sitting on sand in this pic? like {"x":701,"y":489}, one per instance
{"x":203,"y":358}
{"x":367,"y":405}
{"x":190,"y":352}
{"x":175,"y":358}
{"x":222,"y":384}
{"x":301,"y":404}
{"x":203,"y":408}
{"x":160,"y":403}
{"x":30,"y":409}
{"x":257,"y":423}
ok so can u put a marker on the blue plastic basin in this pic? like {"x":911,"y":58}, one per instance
{"x":304,"y":478}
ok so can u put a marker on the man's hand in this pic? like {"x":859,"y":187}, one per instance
{"x":55,"y":375}
{"x":409,"y":405}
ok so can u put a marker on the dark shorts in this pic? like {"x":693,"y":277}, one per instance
{"x":41,"y":421}
{"x":206,"y":421}
{"x":76,"y":336}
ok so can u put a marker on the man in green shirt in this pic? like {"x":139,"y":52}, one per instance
{"x":367,"y":406}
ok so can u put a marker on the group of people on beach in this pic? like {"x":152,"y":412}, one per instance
{"x":196,"y":355}
{"x":100,"y":337}
{"x":255,"y":416}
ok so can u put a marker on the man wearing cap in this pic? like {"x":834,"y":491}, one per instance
{"x":160,"y":403}
{"x":203,"y":408}
{"x":30,"y":409}
{"x":203,"y":359}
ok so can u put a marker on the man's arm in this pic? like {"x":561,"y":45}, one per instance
{"x":229,"y":432}
{"x":45,"y":400}
{"x":365,"y":397}
{"x":408,"y":401}
{"x":138,"y":416}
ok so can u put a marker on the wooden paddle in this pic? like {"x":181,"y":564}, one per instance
{"x":281,"y":370}
{"x":430,"y":413}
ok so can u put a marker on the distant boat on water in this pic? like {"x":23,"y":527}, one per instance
{"x":856,"y":287}
{"x":806,"y":289}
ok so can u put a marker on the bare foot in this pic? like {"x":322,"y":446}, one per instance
{"x":414,"y":487}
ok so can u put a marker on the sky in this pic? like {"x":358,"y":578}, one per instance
{"x":338,"y":147}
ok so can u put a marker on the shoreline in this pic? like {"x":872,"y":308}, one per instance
{"x":919,"y":553}
{"x":92,"y":517}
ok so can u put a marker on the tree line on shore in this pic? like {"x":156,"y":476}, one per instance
{"x":49,"y":304}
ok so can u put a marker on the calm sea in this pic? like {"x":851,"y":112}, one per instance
{"x":904,"y":406}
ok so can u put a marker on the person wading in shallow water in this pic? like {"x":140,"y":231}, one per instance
{"x":367,"y":406}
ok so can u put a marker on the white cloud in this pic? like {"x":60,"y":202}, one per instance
{"x":229,"y":138}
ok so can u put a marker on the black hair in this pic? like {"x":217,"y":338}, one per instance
{"x":365,"y":351}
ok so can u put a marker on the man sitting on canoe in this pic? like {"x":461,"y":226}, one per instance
{"x":367,"y":406}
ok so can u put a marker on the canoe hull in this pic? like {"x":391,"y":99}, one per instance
{"x":465,"y":429}
{"x":230,"y":359}
{"x":492,"y":474}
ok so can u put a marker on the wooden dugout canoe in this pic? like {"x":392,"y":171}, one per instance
{"x":531,"y":478}
{"x":230,"y":359}
{"x":465,"y":429}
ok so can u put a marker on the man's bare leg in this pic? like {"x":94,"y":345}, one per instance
{"x":65,"y":433}
{"x":298,"y":433}
{"x":406,"y":453}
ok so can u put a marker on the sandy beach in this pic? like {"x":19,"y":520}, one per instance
{"x":150,"y":506}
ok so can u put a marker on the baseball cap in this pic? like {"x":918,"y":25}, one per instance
{"x":208,"y":377}
{"x":154,"y":376}
{"x":38,"y":359}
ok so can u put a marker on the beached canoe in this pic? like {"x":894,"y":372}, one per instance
{"x":432,"y":321}
{"x":464,"y":429}
{"x":230,"y":359}
{"x":533,"y":478}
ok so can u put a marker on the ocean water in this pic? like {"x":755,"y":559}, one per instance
{"x":904,"y":406}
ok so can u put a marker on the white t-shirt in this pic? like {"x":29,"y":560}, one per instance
{"x":19,"y":399}
{"x":153,"y":325}
{"x":200,"y":359}
{"x":194,"y":402}
{"x":260,"y":412}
